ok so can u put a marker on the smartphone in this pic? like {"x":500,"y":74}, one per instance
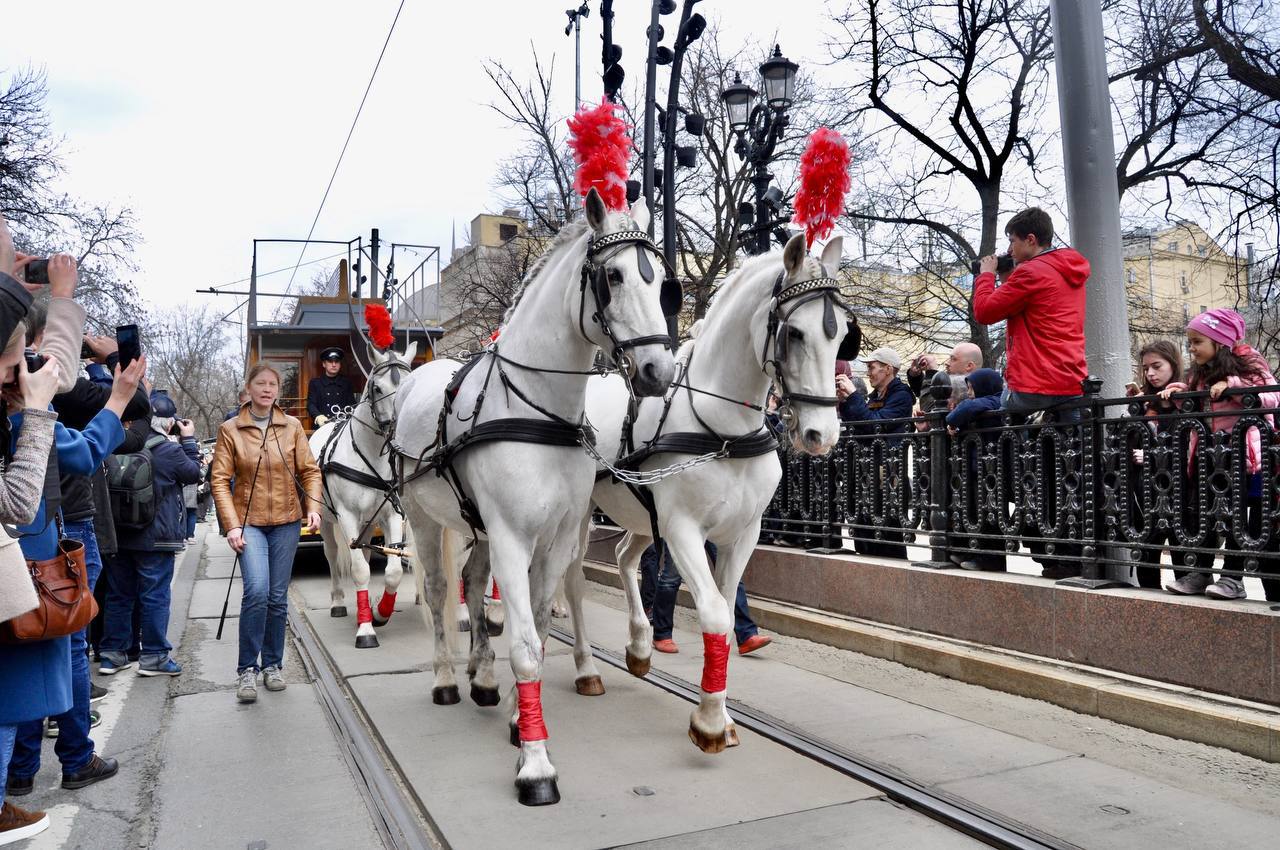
{"x":1133,"y":385}
{"x":86,"y":353}
{"x":129,"y":344}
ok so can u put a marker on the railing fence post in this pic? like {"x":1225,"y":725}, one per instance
{"x":939,"y":463}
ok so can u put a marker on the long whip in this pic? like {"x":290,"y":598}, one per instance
{"x":253,"y":483}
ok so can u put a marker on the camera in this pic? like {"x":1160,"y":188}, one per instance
{"x":1004,"y":265}
{"x":34,"y":362}
{"x":37,"y":271}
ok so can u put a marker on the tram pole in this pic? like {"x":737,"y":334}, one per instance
{"x":1093,"y":199}
{"x":1093,"y":210}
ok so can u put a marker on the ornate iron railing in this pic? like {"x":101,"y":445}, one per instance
{"x":1094,"y":497}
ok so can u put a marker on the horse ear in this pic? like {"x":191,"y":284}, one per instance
{"x":411,"y":352}
{"x":596,"y":212}
{"x":640,"y":215}
{"x":793,"y":255}
{"x":832,"y":253}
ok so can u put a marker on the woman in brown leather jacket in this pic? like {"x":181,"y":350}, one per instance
{"x":277,"y":482}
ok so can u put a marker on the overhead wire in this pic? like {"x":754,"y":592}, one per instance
{"x":343,"y":153}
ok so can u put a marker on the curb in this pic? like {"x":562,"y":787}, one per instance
{"x":1247,"y":727}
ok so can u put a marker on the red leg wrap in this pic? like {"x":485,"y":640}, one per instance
{"x":715,"y":664}
{"x":497,"y":597}
{"x":386,"y":606}
{"x":364,"y":614}
{"x":462,"y":592}
{"x":530,"y":703}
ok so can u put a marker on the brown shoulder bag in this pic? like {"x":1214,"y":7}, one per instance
{"x":66,"y":603}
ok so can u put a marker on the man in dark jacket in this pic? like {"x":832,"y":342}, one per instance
{"x":143,"y":568}
{"x":331,"y":392}
{"x":890,"y":399}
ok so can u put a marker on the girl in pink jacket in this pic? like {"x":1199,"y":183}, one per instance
{"x":1221,"y":360}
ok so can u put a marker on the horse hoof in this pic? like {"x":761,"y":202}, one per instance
{"x":484,"y":696}
{"x":338,"y":611}
{"x":708,"y":743}
{"x":377,"y":624}
{"x":589,"y":686}
{"x":495,"y":629}
{"x":637,"y":666}
{"x":538,"y":792}
{"x":446,"y":695}
{"x":731,"y":735}
{"x":515,"y":734}
{"x":366,"y":641}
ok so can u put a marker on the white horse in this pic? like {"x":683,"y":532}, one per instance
{"x":735,"y":358}
{"x":359,"y":493}
{"x":524,"y":473}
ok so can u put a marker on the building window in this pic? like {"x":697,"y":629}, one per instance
{"x":507,"y":232}
{"x":1133,"y":277}
{"x":1182,"y":279}
{"x":1173,"y":247}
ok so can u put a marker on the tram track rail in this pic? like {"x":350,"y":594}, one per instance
{"x":403,"y":823}
{"x":978,"y":822}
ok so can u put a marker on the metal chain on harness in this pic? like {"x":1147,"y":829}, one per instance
{"x":653,"y":476}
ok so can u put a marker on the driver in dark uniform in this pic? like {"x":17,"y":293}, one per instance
{"x":331,"y":392}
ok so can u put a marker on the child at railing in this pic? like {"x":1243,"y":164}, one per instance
{"x":1221,"y":360}
{"x":980,"y":410}
{"x":1161,"y":365}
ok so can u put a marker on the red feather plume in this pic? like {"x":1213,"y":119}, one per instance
{"x":824,"y":181}
{"x":379,"y":322}
{"x":598,"y":138}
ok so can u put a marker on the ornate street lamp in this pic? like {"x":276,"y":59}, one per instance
{"x":758,"y":127}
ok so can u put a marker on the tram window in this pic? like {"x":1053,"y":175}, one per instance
{"x":290,"y":392}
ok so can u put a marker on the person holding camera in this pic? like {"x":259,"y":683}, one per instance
{"x":142,"y":569}
{"x":35,"y":677}
{"x":1043,"y":303}
{"x":277,"y":483}
{"x":75,"y":452}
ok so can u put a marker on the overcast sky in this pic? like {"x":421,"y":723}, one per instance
{"x":220,"y":122}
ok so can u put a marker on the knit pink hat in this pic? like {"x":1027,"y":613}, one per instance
{"x":1222,"y":325}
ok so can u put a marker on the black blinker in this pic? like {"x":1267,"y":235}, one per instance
{"x":828,"y":318}
{"x":642,"y":261}
{"x":852,"y":342}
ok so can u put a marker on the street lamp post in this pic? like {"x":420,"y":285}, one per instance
{"x":575,"y":25}
{"x":759,"y":126}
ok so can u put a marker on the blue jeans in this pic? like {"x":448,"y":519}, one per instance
{"x":7,"y":736}
{"x":139,"y":577}
{"x":74,"y":746}
{"x":191,"y":523}
{"x":267,"y":565}
{"x":666,"y":582}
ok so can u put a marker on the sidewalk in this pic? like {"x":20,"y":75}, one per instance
{"x":198,"y":770}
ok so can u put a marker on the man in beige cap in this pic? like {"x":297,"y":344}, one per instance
{"x":878,"y":413}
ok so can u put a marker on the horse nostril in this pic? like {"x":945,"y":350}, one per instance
{"x":651,"y":373}
{"x":813,"y":436}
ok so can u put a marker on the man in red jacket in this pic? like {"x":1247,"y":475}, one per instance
{"x":1043,"y":303}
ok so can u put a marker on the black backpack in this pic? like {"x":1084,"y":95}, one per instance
{"x":131,"y":480}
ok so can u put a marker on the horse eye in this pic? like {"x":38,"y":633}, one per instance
{"x":615,"y":276}
{"x":795,"y":334}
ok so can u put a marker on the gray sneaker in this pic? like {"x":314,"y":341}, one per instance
{"x":247,"y":689}
{"x":1192,"y":584}
{"x":1225,"y":588}
{"x":273,"y":679}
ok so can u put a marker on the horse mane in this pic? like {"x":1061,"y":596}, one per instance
{"x":567,"y":234}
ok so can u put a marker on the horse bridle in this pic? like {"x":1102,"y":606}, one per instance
{"x":595,"y":275}
{"x":384,"y":427}
{"x":796,"y":295}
